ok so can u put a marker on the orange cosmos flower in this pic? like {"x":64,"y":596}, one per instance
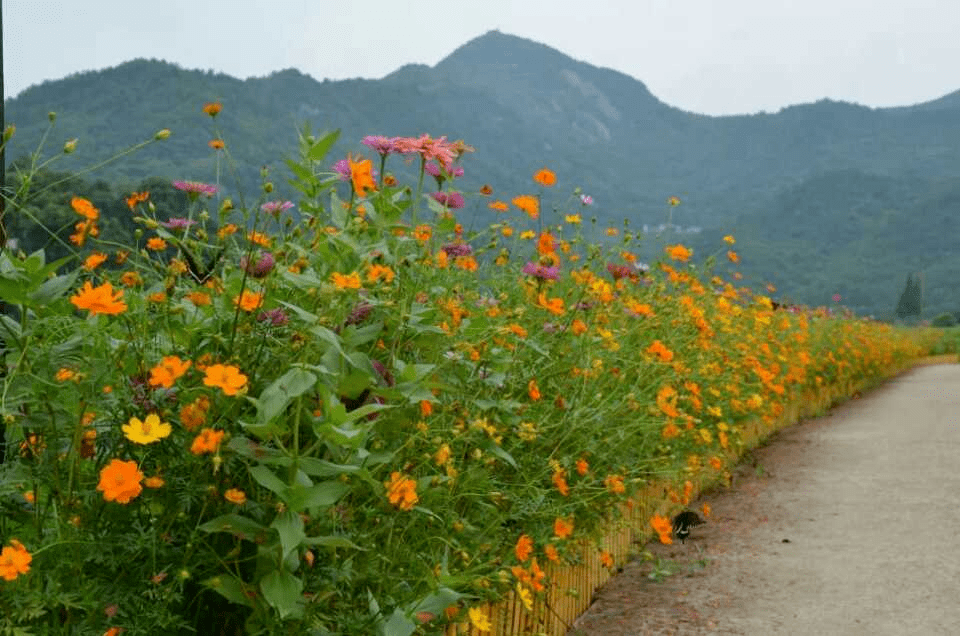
{"x":379,"y":272}
{"x":227,"y":230}
{"x":560,"y":481}
{"x":361,"y":176}
{"x":426,"y":408}
{"x":208,"y":441}
{"x":14,"y":560}
{"x":562,"y":528}
{"x":212,"y":108}
{"x":498,"y":206}
{"x":551,"y":553}
{"x":216,"y":144}
{"x":663,"y":528}
{"x":529,"y":204}
{"x":258,"y":238}
{"x":99,"y":300}
{"x":546,"y":244}
{"x":94,"y":261}
{"x":716,"y":463}
{"x":248,"y":300}
{"x":401,"y":491}
{"x":156,"y":244}
{"x":533,"y":390}
{"x":486,"y":190}
{"x":84,"y":208}
{"x":65,"y":374}
{"x":660,"y":350}
{"x":673,"y":201}
{"x":135,"y":198}
{"x":582,"y":467}
{"x":130,"y":279}
{"x":120,"y":481}
{"x":678,"y":252}
{"x":524,"y":548}
{"x":194,"y":415}
{"x":606,"y":559}
{"x":346,"y":281}
{"x":614,"y":484}
{"x":226,"y":377}
{"x":733,"y":256}
{"x":706,"y":510}
{"x":729,"y":239}
{"x":154,"y":482}
{"x":545,"y":177}
{"x":235,"y":496}
{"x":166,"y":372}
{"x":553,"y":305}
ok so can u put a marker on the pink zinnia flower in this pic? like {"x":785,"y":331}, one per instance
{"x":195,"y":188}
{"x":177,"y":223}
{"x":586,"y":199}
{"x":276,"y":207}
{"x":452,"y":200}
{"x":379,"y":143}
{"x":440,"y":149}
{"x":541,"y":271}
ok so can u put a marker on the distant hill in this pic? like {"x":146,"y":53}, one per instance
{"x":812,"y":190}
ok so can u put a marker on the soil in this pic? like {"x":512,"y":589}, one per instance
{"x":843,"y":524}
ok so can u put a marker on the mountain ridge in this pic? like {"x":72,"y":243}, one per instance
{"x":523,"y":105}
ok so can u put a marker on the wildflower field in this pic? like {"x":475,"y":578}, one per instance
{"x":348,"y":414}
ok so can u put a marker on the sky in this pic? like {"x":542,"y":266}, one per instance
{"x":708,"y":56}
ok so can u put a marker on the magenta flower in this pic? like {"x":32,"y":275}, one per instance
{"x":452,"y":200}
{"x":541,"y":271}
{"x":195,"y":188}
{"x":836,"y":298}
{"x":177,"y":223}
{"x":433,"y":170}
{"x":276,"y":207}
{"x":262,"y":267}
{"x":276,"y":317}
{"x":383,"y":145}
{"x":457,"y":249}
{"x":342,"y":168}
{"x":586,"y":199}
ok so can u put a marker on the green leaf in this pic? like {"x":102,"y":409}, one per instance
{"x":53,"y":288}
{"x":397,"y":625}
{"x":236,"y":525}
{"x":332,"y":542}
{"x":231,"y":588}
{"x":323,"y":146}
{"x":289,"y":525}
{"x":275,"y":398}
{"x":283,"y":592}
{"x":325,"y":493}
{"x":502,"y":454}
{"x":265,"y":477}
{"x":440,"y":600}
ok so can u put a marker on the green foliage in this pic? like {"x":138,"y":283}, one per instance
{"x":348,"y":418}
{"x":944,"y":320}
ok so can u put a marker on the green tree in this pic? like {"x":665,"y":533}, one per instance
{"x":911,"y":300}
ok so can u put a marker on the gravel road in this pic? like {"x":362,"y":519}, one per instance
{"x":845,"y":524}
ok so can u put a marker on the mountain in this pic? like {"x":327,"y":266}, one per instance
{"x":809,"y":190}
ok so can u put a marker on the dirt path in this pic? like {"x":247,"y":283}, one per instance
{"x":846,"y":524}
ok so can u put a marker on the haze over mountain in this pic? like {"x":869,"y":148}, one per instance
{"x":824,"y":198}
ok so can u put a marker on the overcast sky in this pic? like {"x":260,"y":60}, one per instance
{"x":708,"y":56}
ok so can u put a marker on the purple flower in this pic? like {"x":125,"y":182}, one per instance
{"x":276,"y":207}
{"x":261,"y":268}
{"x":586,"y":199}
{"x":178,"y":223}
{"x":383,"y":145}
{"x":195,"y":188}
{"x":451,"y":200}
{"x":457,"y":249}
{"x":432,"y":169}
{"x":541,"y":271}
{"x":342,"y":168}
{"x":276,"y":317}
{"x":359,"y":313}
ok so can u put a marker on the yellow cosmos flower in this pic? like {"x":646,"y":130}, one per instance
{"x":150,"y":430}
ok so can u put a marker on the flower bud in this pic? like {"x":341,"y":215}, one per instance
{"x":70,"y":146}
{"x":8,"y":132}
{"x":268,"y":187}
{"x":162,"y":134}
{"x":52,"y":116}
